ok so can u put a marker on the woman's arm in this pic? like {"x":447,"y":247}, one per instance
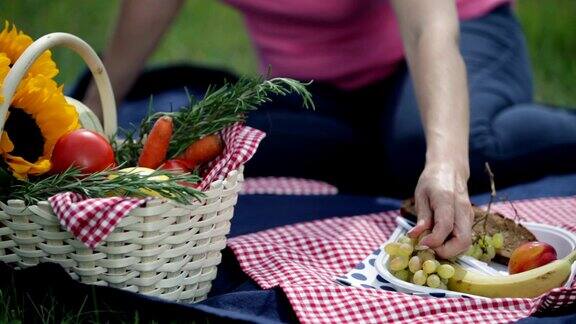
{"x":139,"y":27}
{"x":430,"y":31}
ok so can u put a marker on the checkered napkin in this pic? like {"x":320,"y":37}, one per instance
{"x":91,"y":220}
{"x":303,"y":259}
{"x":286,"y":186}
{"x":240,"y":143}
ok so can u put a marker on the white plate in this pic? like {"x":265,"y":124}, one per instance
{"x":562,"y":240}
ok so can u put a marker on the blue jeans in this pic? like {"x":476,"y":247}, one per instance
{"x":371,"y":140}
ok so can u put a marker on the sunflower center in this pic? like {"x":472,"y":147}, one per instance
{"x":25,"y":135}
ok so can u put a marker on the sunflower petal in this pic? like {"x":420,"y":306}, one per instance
{"x":42,"y":99}
{"x":21,"y":168}
{"x":6,"y":145}
{"x":14,"y":42}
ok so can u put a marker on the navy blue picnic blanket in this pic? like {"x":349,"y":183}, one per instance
{"x":234,"y":297}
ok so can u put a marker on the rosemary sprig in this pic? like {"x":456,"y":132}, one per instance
{"x":227,"y":105}
{"x":109,"y":183}
{"x":218,"y":109}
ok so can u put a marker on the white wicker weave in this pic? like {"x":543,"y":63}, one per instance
{"x":163,"y":249}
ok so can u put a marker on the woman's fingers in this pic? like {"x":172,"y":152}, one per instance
{"x":443,"y":205}
{"x":443,"y":223}
{"x":462,"y":234}
{"x":424,"y":215}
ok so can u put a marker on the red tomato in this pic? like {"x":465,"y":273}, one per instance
{"x":177,"y":165}
{"x":180,"y":166}
{"x":84,"y":149}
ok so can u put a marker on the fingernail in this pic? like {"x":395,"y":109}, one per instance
{"x":421,"y":247}
{"x":424,"y":242}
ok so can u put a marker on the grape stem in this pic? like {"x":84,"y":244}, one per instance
{"x":492,"y":193}
{"x":517,"y":217}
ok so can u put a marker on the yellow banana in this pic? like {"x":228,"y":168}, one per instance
{"x":531,"y":283}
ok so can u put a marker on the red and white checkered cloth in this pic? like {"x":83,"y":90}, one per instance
{"x":241,"y":143}
{"x":304,"y":259}
{"x":92,"y":220}
{"x":286,"y":186}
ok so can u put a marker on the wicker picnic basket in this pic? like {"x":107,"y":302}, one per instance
{"x":163,"y":249}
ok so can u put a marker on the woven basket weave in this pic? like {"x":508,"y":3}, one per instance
{"x":163,"y":249}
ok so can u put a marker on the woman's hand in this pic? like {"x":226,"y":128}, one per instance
{"x":443,"y":206}
{"x":430,"y":32}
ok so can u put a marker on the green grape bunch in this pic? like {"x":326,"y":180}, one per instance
{"x":484,"y":247}
{"x":411,"y":262}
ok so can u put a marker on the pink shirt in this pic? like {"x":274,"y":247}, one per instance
{"x":349,"y":43}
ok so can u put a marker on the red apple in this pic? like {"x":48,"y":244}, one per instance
{"x":531,"y":255}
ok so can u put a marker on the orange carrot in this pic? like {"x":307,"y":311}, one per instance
{"x":154,"y":151}
{"x":203,"y":150}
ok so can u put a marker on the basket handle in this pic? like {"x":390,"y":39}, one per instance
{"x":89,"y":56}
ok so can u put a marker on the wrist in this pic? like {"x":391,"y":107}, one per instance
{"x":458,"y":163}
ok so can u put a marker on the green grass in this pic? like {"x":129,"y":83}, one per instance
{"x":17,"y":307}
{"x":549,"y":27}
{"x":210,"y":33}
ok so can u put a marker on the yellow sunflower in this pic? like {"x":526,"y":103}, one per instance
{"x":13,"y":42}
{"x":4,"y":69}
{"x":38,"y":116}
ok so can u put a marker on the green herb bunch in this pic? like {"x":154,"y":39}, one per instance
{"x":218,"y":109}
{"x":107,"y":183}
